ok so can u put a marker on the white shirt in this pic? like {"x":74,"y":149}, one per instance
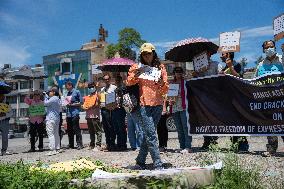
{"x":110,"y":89}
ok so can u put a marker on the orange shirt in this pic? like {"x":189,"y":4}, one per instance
{"x":151,"y":93}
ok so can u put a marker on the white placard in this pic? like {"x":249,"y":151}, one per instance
{"x":95,"y":69}
{"x":200,"y":61}
{"x":150,"y":73}
{"x":173,"y":90}
{"x":230,"y":41}
{"x":278,"y":27}
{"x":189,"y":66}
{"x":110,"y":98}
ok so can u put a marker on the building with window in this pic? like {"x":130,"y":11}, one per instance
{"x":22,"y":80}
{"x":75,"y":66}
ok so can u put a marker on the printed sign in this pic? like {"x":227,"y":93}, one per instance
{"x":95,"y":69}
{"x":66,"y":100}
{"x":4,"y":108}
{"x":150,"y":73}
{"x":230,"y":41}
{"x":200,"y":61}
{"x":173,"y":90}
{"x":37,"y":110}
{"x":110,"y":98}
{"x":228,"y":106}
{"x":278,"y":27}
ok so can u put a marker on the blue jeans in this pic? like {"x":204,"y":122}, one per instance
{"x":118,"y":123}
{"x":135,"y":133}
{"x":148,"y":118}
{"x":182,"y":129}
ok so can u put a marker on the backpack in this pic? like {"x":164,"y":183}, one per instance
{"x":130,"y":98}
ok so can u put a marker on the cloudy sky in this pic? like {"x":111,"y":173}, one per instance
{"x":30,"y":29}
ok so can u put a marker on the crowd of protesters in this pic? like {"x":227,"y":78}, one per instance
{"x":146,"y":124}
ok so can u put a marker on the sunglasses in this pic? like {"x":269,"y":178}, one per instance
{"x":178,"y":71}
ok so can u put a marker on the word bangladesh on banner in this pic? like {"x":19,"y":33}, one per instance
{"x":226,"y":105}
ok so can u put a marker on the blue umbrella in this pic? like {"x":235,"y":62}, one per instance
{"x":4,"y":88}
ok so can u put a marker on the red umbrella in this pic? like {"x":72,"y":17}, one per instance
{"x":185,"y":50}
{"x":116,"y":65}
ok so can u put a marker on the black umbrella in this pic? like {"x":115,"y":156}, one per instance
{"x":4,"y":88}
{"x":185,"y":50}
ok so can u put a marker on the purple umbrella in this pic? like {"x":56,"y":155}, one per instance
{"x":116,"y":65}
{"x":186,"y":49}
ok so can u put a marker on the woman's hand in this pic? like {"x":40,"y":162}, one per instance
{"x":229,"y":62}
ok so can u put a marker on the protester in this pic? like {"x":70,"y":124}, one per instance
{"x":135,"y":133}
{"x":4,"y":125}
{"x":36,"y":121}
{"x":52,"y":103}
{"x":73,"y":116}
{"x":92,"y":107}
{"x":162,"y":129}
{"x":118,"y":116}
{"x":272,"y":63}
{"x":235,"y":69}
{"x":212,"y":69}
{"x":106,"y":112}
{"x":61,"y":133}
{"x":179,"y":112}
{"x":232,"y":67}
{"x":151,"y":103}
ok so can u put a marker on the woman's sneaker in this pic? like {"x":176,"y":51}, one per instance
{"x":51,"y":153}
{"x":186,"y":151}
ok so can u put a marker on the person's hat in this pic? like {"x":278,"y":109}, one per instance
{"x":147,"y":47}
{"x":54,"y":89}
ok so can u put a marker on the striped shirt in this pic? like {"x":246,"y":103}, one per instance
{"x":52,"y":108}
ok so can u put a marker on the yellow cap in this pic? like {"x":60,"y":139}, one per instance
{"x":147,"y":47}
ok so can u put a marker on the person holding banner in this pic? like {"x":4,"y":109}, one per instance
{"x":179,"y":113}
{"x":151,"y":76}
{"x":235,"y":69}
{"x":106,"y":111}
{"x":212,"y":69}
{"x":232,"y":67}
{"x":4,"y":124}
{"x":53,"y":103}
{"x":272,"y":63}
{"x":36,"y":119}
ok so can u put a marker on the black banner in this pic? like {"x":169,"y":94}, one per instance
{"x":227,"y":105}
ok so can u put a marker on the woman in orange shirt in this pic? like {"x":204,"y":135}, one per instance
{"x":151,"y":91}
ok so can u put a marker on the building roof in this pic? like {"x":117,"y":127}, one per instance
{"x":24,"y":72}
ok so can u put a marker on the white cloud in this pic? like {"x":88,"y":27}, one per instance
{"x":166,"y":44}
{"x":257,"y":32}
{"x":14,"y":54}
{"x":245,"y":33}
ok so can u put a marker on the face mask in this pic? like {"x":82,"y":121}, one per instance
{"x":270,"y":52}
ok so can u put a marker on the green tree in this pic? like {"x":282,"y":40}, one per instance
{"x":129,"y":39}
{"x":111,"y":50}
{"x":244,"y":62}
